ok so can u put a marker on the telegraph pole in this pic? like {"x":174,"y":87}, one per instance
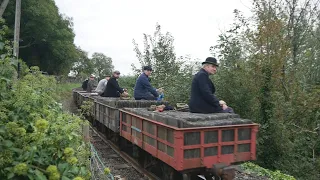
{"x":3,"y":6}
{"x":17,"y":33}
{"x":17,"y":29}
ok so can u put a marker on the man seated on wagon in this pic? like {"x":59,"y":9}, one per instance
{"x":113,"y":89}
{"x":90,"y":85}
{"x":102,"y":84}
{"x":202,"y":98}
{"x":143,"y":88}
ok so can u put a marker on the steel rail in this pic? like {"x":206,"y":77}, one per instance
{"x":126,"y":157}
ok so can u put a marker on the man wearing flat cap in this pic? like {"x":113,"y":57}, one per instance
{"x":202,"y":98}
{"x":90,"y":85}
{"x":143,"y":88}
{"x":113,"y":89}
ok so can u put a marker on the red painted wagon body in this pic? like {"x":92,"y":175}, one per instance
{"x":209,"y":145}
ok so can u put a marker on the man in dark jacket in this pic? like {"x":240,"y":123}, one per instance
{"x":113,"y":89}
{"x":90,"y":85}
{"x":202,"y":98}
{"x":143,"y":88}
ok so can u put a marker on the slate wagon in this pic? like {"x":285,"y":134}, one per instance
{"x":188,"y":141}
{"x":185,"y":143}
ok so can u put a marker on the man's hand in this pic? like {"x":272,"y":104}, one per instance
{"x":223,"y":104}
{"x":224,"y":107}
{"x":125,"y":94}
{"x":160,"y":90}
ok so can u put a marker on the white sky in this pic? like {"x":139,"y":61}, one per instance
{"x":109,"y":26}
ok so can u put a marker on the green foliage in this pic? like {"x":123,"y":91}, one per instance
{"x":86,"y":108}
{"x":83,"y":66}
{"x":128,"y":82}
{"x":102,"y":65}
{"x":99,"y":64}
{"x":64,"y":90}
{"x":35,"y":134}
{"x":46,"y":36}
{"x":268,"y":74}
{"x":37,"y":139}
{"x":274,"y":175}
{"x":169,"y":72}
{"x":106,"y":171}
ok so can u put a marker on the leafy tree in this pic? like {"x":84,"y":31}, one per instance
{"x":46,"y":37}
{"x":99,"y":64}
{"x":83,"y":66}
{"x":268,"y":73}
{"x":169,"y":71}
{"x":128,"y":82}
{"x":37,"y":139}
{"x":102,"y":64}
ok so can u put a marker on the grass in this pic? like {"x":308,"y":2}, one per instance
{"x":64,"y":92}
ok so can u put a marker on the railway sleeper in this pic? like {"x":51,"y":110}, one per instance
{"x":118,"y":177}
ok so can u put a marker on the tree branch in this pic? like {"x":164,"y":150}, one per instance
{"x":28,"y":45}
{"x":3,"y":6}
{"x":306,"y":130}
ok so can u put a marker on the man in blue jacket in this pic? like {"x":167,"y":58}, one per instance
{"x":202,"y":98}
{"x":143,"y":88}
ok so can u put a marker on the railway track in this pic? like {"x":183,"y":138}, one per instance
{"x":124,"y":165}
{"x":120,"y":162}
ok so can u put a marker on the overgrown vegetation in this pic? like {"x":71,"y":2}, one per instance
{"x":170,"y":72}
{"x":99,"y":65}
{"x":64,"y":90}
{"x":269,"y":72}
{"x":46,"y":37}
{"x":37,"y":139}
{"x":254,"y":169}
{"x":47,"y":40}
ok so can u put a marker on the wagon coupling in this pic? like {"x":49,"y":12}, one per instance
{"x":223,"y":172}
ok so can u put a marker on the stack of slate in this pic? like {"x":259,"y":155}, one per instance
{"x":187,"y":119}
{"x":107,"y":109}
{"x":128,"y":103}
{"x":78,"y":89}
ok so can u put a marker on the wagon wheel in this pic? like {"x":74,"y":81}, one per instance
{"x":94,"y":124}
{"x":223,"y":172}
{"x":186,"y":177}
{"x":216,"y":177}
{"x":115,"y":138}
{"x":168,"y":173}
{"x":107,"y":133}
{"x":209,"y":177}
{"x":122,"y":144}
{"x":147,"y":162}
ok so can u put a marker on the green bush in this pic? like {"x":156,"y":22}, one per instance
{"x":274,"y":175}
{"x":37,"y":139}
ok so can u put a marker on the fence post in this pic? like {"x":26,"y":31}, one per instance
{"x":85,"y":129}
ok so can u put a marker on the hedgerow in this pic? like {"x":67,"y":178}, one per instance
{"x":37,"y":139}
{"x":274,"y":175}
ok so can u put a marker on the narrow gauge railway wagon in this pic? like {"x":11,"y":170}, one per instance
{"x":105,"y":111}
{"x":180,"y":144}
{"x":189,"y":143}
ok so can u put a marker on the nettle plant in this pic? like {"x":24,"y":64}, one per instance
{"x":37,"y":139}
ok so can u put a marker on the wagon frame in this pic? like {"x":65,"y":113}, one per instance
{"x":171,"y":146}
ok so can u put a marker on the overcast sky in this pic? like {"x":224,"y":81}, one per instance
{"x":109,"y":26}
